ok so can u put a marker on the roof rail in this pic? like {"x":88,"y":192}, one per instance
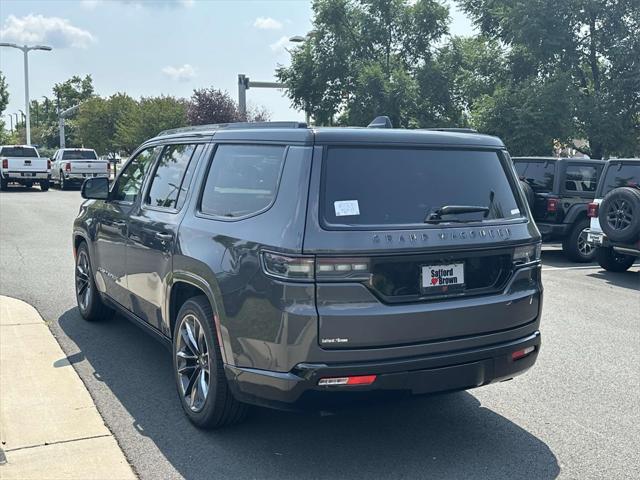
{"x":238,"y":125}
{"x":452,"y":129}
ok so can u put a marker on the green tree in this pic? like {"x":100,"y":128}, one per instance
{"x":4,"y":101}
{"x":594,"y":44}
{"x":370,"y":57}
{"x":150,"y":117}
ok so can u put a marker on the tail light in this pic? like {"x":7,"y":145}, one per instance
{"x":552,"y":205}
{"x":527,"y":254}
{"x":518,"y":354}
{"x":48,"y":164}
{"x":592,"y":210}
{"x":353,"y":380}
{"x":67,"y":167}
{"x":309,"y":268}
{"x":5,"y":163}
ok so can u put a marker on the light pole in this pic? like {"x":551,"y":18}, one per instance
{"x":25,"y":50}
{"x":10,"y":121}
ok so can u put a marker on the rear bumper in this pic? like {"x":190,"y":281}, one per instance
{"x":553,"y":230}
{"x":24,"y":176}
{"x":80,"y":177}
{"x":460,"y":370}
{"x":598,"y":239}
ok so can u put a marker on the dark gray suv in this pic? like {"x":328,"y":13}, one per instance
{"x":296,"y":267}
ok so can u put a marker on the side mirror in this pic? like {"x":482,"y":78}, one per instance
{"x":96,"y":188}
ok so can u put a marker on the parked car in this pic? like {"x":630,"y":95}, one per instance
{"x":23,"y":165}
{"x":297,"y":267}
{"x":70,"y":166}
{"x":561,"y":189}
{"x":615,"y":215}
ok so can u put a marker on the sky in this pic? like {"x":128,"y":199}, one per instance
{"x":148,"y":48}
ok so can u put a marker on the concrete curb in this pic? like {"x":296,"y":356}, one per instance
{"x":49,"y":425}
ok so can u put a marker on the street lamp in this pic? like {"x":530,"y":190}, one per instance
{"x":26,"y":49}
{"x":10,"y":121}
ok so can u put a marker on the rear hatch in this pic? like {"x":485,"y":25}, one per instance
{"x":85,"y":162}
{"x":392,"y":266}
{"x":22,"y":159}
{"x":540,"y":175}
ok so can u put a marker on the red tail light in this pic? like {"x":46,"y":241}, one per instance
{"x":592,"y":210}
{"x":48,"y":164}
{"x":353,"y":380}
{"x":5,"y":163}
{"x":552,"y":205}
{"x":67,"y":167}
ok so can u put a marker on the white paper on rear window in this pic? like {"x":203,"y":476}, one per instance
{"x":346,"y":208}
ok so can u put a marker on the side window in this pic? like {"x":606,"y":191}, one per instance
{"x":129,"y":183}
{"x":581,"y":178}
{"x":242,"y":180}
{"x":539,"y":175}
{"x":166,"y":184}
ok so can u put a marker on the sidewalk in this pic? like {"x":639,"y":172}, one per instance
{"x":49,"y":426}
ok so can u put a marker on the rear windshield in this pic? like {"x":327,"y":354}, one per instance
{"x":539,"y":175}
{"x":620,"y":175}
{"x":402,"y":186}
{"x":79,"y":155}
{"x":19,"y":152}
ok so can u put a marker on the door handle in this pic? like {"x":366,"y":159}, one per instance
{"x":164,"y":236}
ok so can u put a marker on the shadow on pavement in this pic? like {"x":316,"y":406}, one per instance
{"x":444,"y":436}
{"x":629,"y":279}
{"x":556,"y":258}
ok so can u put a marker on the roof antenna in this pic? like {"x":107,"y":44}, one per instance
{"x":381,"y":122}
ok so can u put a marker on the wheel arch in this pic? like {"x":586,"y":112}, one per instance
{"x":576,"y":213}
{"x":185,"y":285}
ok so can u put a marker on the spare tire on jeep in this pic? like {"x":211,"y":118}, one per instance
{"x":528,"y":193}
{"x":619,"y":214}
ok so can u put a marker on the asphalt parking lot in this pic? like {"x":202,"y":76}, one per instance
{"x":574,"y":415}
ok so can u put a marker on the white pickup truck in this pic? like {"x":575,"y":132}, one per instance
{"x":23,"y":165}
{"x":72,"y":165}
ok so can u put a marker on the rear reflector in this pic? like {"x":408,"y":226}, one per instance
{"x":518,"y":354}
{"x":357,"y":380}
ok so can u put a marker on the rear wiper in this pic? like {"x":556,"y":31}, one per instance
{"x":435,"y":216}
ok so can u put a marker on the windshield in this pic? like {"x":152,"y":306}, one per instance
{"x":79,"y":155}
{"x":19,"y":152}
{"x":620,"y":175}
{"x":539,"y":175}
{"x":402,"y":186}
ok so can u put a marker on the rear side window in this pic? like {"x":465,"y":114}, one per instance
{"x":167,"y":181}
{"x":79,"y":155}
{"x":242,"y":180}
{"x":19,"y":152}
{"x":620,"y":175}
{"x":539,"y":175}
{"x":389,"y":186}
{"x":581,"y":178}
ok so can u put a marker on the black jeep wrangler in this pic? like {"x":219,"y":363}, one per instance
{"x":559,"y":191}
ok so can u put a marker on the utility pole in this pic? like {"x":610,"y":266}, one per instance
{"x":244,"y":84}
{"x":61,"y":116}
{"x":25,"y":50}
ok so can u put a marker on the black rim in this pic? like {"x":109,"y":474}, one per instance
{"x":83,"y":285}
{"x":619,"y":215}
{"x":193,"y":362}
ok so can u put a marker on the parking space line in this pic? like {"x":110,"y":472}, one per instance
{"x":582,"y":267}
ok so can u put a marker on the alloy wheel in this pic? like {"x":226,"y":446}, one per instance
{"x":584,"y":247}
{"x":619,"y":215}
{"x":83,"y":285}
{"x":193,"y":362}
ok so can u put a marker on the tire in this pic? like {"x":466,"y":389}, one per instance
{"x":63,"y":184}
{"x":89,"y":302}
{"x":215,"y":406}
{"x":619,"y":215}
{"x":528,"y":193}
{"x":28,"y":185}
{"x":4,"y":184}
{"x":613,"y":261}
{"x":44,"y":185}
{"x":575,"y":245}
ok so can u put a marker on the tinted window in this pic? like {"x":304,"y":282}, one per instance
{"x":367,"y":186}
{"x":242,"y":180}
{"x":581,"y":178}
{"x":620,"y":175}
{"x":19,"y":152}
{"x":129,"y":183}
{"x":79,"y":155}
{"x":167,"y":181}
{"x":539,"y":175}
